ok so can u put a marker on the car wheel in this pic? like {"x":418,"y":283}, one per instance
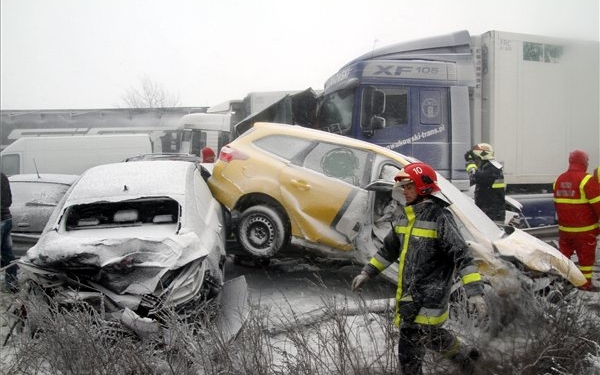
{"x":261,"y":231}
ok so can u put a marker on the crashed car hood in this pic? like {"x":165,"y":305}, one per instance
{"x":487,"y":238}
{"x":142,"y":261}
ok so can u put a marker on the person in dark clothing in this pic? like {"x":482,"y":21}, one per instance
{"x":488,"y":177}
{"x":6,"y":252}
{"x":429,"y":248}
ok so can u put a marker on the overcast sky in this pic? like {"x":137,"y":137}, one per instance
{"x":76,"y":54}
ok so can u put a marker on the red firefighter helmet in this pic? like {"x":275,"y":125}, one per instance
{"x":422,"y":175}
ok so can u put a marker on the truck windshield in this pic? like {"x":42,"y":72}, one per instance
{"x":334,"y":113}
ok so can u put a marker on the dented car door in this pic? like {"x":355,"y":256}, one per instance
{"x":324,"y":185}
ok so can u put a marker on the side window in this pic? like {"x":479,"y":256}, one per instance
{"x":388,"y":172}
{"x":396,"y":106}
{"x":11,"y":164}
{"x":344,"y":163}
{"x":283,"y":146}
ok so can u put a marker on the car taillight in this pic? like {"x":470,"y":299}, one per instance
{"x":228,"y":154}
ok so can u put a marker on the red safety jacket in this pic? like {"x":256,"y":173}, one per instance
{"x":577,"y":200}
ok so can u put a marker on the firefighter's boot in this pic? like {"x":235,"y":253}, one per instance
{"x":465,"y":359}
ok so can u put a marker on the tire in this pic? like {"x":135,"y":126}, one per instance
{"x":262,"y":231}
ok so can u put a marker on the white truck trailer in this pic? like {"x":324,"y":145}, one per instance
{"x":535,"y":99}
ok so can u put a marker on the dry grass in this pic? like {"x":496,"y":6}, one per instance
{"x":349,"y":337}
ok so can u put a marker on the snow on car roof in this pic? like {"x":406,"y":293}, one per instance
{"x":126,"y":180}
{"x":315,"y":134}
{"x":67,"y":179}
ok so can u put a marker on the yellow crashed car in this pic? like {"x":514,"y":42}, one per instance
{"x":333,"y":195}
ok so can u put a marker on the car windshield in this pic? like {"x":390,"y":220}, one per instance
{"x":37,"y":192}
{"x":126,"y":213}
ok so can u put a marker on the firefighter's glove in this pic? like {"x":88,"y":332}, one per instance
{"x":478,"y":307}
{"x":471,"y":168}
{"x":359,"y":280}
{"x":469,"y":157}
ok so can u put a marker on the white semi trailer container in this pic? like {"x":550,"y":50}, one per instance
{"x":535,"y":99}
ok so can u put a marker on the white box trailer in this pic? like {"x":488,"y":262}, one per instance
{"x":535,"y":100}
{"x":70,"y":154}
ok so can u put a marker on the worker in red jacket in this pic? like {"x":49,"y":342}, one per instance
{"x":577,"y":202}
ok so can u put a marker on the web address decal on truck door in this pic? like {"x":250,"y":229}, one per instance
{"x":417,"y":137}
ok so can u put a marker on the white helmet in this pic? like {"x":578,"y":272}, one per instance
{"x":483,"y":151}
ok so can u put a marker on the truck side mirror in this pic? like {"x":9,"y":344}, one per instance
{"x":375,"y":107}
{"x":378,"y":102}
{"x":377,"y":122}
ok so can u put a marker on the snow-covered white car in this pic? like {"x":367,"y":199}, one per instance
{"x":127,"y":238}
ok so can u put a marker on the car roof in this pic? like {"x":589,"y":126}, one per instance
{"x":118,"y":181}
{"x":165,"y":156}
{"x":268,"y":128}
{"x":66,"y":179}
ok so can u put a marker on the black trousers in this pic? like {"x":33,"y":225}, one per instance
{"x":415,"y":338}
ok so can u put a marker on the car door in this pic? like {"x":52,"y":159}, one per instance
{"x":322,"y":190}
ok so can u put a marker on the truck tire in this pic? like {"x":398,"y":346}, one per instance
{"x":262,"y":231}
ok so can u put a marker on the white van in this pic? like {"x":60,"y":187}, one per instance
{"x":70,"y":154}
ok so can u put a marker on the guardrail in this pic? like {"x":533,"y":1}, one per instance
{"x":546,"y":233}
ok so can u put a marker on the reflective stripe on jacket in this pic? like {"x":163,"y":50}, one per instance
{"x":577,"y":202}
{"x":490,"y":190}
{"x":428,"y":247}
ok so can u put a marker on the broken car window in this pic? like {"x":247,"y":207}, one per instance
{"x":126,"y":213}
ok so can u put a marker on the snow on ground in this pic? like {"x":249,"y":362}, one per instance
{"x":304,"y":293}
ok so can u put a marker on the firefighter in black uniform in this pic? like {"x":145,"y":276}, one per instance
{"x":488,"y":177}
{"x":428,"y":247}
